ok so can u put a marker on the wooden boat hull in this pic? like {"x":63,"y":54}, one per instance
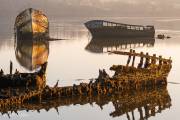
{"x":98,"y":29}
{"x":31,"y":23}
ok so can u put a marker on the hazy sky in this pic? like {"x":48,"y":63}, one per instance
{"x":95,"y":7}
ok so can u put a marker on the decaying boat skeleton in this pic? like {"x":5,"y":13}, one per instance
{"x":23,"y":80}
{"x":151,"y":76}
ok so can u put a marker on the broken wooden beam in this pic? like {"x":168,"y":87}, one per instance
{"x":139,"y":55}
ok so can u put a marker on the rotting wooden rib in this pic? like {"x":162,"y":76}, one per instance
{"x":131,"y":53}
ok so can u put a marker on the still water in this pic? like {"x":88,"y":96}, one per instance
{"x":78,"y":58}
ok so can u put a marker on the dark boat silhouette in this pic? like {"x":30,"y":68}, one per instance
{"x":31,"y":23}
{"x":101,"y":28}
{"x":100,"y":45}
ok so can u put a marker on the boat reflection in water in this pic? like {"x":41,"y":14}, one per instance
{"x":100,"y":45}
{"x":147,"y":103}
{"x":31,"y":53}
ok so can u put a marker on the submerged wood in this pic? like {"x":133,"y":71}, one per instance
{"x":22,"y":79}
{"x":102,"y":28}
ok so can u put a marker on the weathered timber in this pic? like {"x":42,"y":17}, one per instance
{"x":104,"y":85}
{"x":139,"y":55}
{"x":31,"y":23}
{"x":22,"y":79}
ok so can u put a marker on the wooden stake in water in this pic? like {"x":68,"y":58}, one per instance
{"x":11,"y":67}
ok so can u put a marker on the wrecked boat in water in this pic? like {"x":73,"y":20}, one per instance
{"x":102,"y":28}
{"x":31,"y":23}
{"x":20,"y":80}
{"x":147,"y":75}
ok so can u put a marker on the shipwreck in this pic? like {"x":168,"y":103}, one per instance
{"x":150,"y":73}
{"x":102,"y":28}
{"x":141,"y":86}
{"x":31,"y":23}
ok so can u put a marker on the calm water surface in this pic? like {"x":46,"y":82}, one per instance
{"x":78,"y":58}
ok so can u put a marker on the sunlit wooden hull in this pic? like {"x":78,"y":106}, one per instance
{"x":31,"y":23}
